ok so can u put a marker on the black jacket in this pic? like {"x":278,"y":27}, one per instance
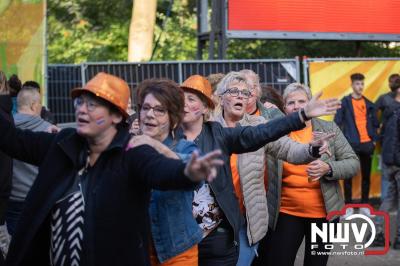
{"x":5,"y":161}
{"x":391,"y":138}
{"x":118,"y":213}
{"x":239,"y":140}
{"x":344,"y":118}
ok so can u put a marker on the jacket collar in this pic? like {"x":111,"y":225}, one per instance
{"x":220,"y":119}
{"x":368,"y":104}
{"x":73,"y":144}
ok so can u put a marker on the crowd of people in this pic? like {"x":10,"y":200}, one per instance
{"x":218,"y":170}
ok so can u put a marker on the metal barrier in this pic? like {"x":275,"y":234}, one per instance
{"x":277,"y":73}
{"x":60,"y":80}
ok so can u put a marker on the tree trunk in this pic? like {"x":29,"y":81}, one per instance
{"x":141,"y":30}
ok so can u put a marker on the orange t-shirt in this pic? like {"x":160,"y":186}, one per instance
{"x":258,"y":113}
{"x":236,"y":182}
{"x":360,"y":116}
{"x":299,"y":197}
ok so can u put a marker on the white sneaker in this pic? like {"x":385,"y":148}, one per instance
{"x":366,"y":212}
{"x":349,"y":211}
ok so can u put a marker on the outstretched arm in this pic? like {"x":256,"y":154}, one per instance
{"x":251,"y":138}
{"x":294,"y":152}
{"x":24,"y":145}
{"x":247,"y":139}
{"x":158,"y":172}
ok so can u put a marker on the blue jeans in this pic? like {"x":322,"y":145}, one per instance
{"x":246,"y":252}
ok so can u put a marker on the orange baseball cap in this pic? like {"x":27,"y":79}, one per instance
{"x":201,"y":87}
{"x":108,"y":87}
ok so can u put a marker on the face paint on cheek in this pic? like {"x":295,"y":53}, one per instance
{"x":100,"y":120}
{"x":196,"y":111}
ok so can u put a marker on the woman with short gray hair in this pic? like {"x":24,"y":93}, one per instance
{"x":305,"y":194}
{"x":296,"y":87}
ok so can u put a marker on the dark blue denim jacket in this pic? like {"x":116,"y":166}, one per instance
{"x":173,"y":228}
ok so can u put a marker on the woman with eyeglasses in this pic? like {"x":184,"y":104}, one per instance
{"x":89,"y":203}
{"x":215,"y":205}
{"x":174,"y":232}
{"x":248,"y":169}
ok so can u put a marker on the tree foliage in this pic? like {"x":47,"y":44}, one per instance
{"x":84,"y":30}
{"x":87,"y":31}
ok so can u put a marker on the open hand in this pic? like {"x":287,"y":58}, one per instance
{"x":205,"y":167}
{"x":317,"y":107}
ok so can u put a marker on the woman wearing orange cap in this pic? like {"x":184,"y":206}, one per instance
{"x":89,"y":204}
{"x":215,"y":206}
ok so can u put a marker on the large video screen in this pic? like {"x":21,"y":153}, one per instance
{"x":314,"y":19}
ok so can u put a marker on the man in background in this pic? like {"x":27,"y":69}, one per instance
{"x":391,"y":164}
{"x":384,"y":102}
{"x":27,"y":118}
{"x":45,"y":113}
{"x":358,"y":120}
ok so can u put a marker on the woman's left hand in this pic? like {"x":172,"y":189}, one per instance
{"x":316,"y":170}
{"x":205,"y":167}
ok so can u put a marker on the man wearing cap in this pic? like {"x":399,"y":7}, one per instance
{"x":89,"y":203}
